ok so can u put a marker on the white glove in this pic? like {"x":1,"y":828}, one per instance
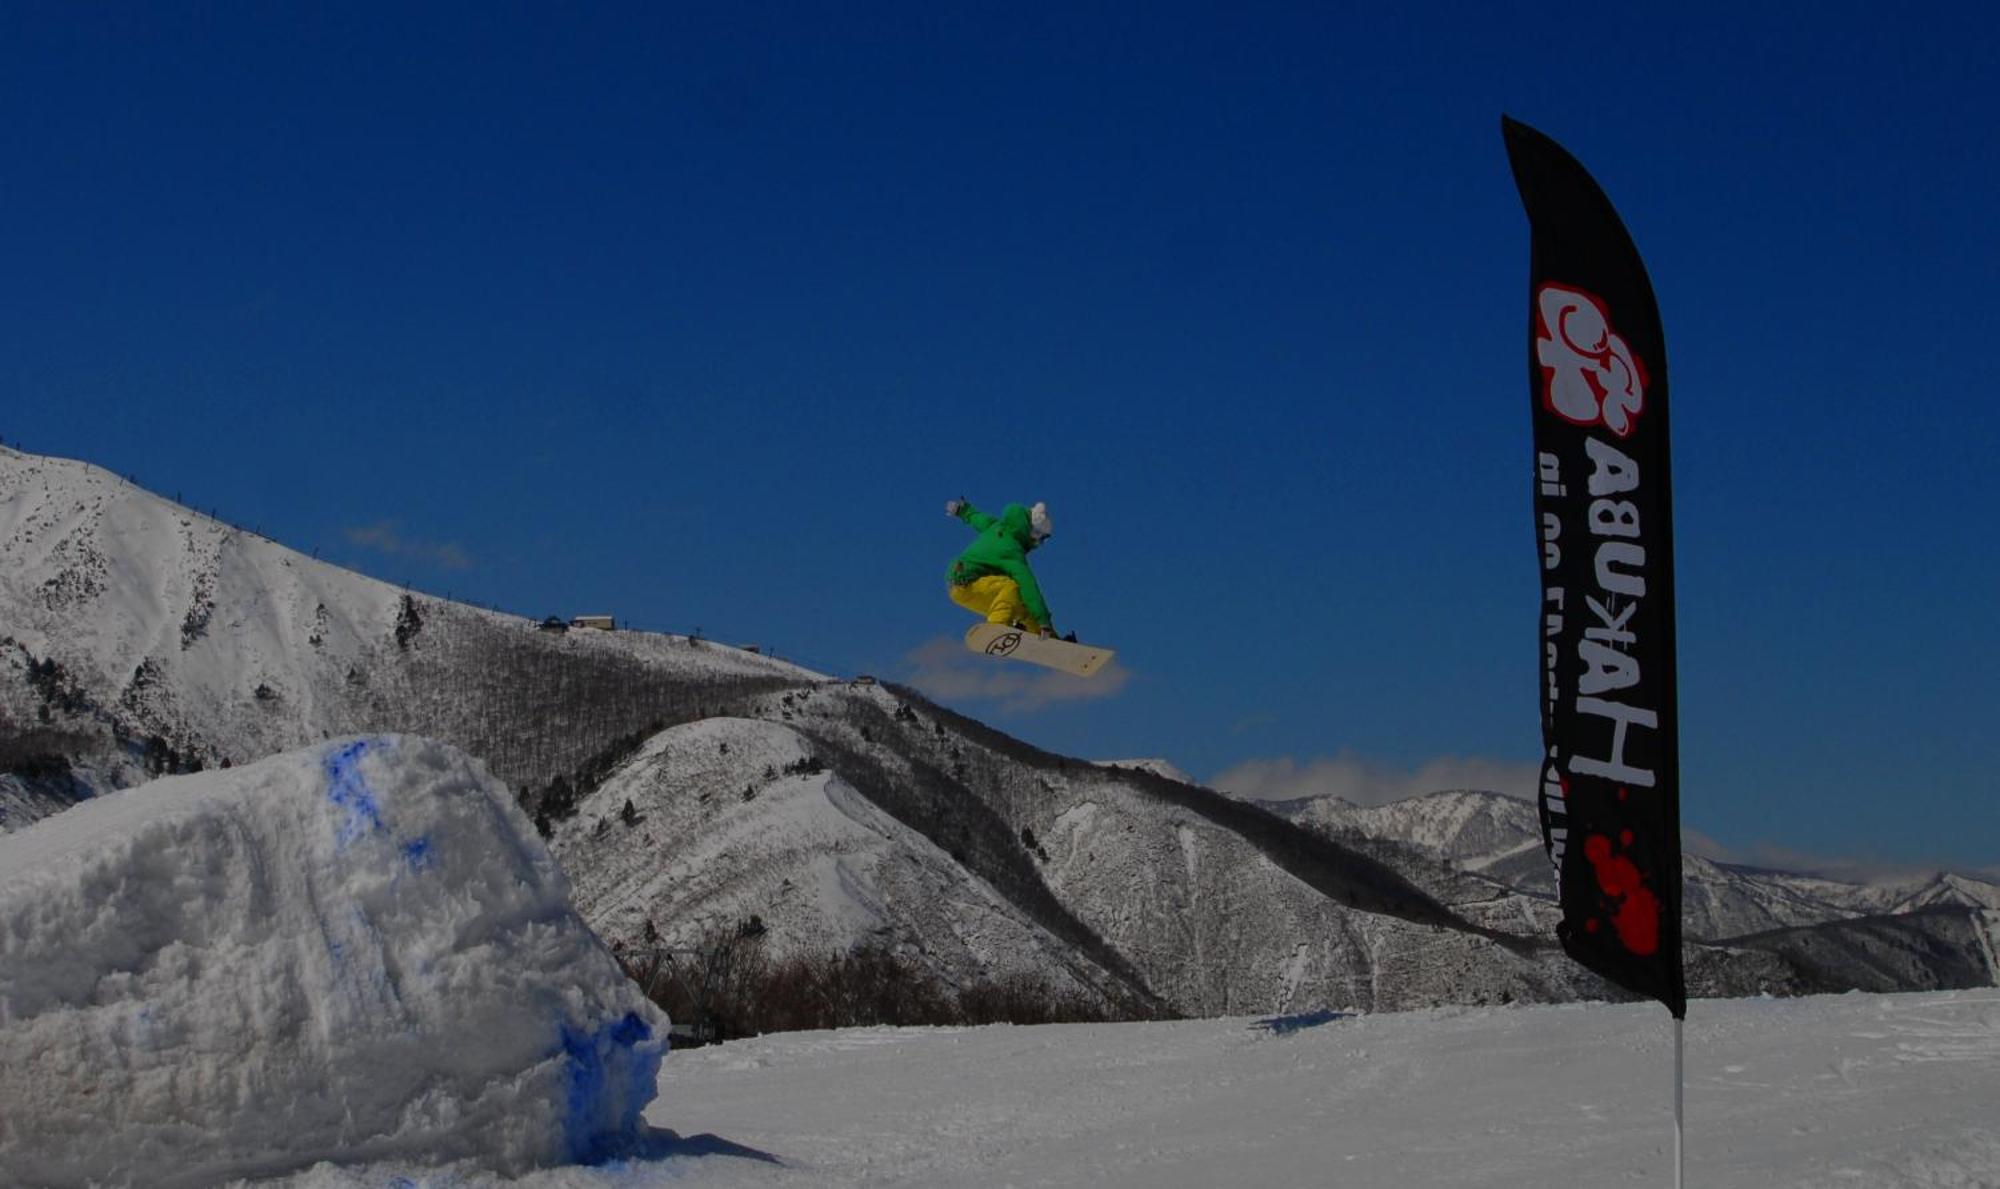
{"x":951,"y":507}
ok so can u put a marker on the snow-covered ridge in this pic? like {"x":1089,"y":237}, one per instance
{"x":1156,"y":765}
{"x":761,"y":828}
{"x":1499,"y":837}
{"x":1476,"y":829}
{"x":358,"y":951}
{"x":130,"y":621}
{"x":103,"y":575}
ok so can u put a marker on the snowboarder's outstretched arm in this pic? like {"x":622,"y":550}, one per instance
{"x":963,"y":509}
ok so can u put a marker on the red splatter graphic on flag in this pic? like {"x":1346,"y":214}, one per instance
{"x":1638,"y":911}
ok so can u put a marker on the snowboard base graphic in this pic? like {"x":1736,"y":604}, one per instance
{"x":996,"y":639}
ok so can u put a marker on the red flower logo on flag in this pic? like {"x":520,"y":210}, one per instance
{"x":1590,"y":376}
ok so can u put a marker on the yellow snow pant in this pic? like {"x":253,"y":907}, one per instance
{"x":998,"y":598}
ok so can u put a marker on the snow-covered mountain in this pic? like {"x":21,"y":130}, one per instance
{"x":762,"y":829}
{"x":1479,"y":831}
{"x":138,"y":637}
{"x":1498,"y":838}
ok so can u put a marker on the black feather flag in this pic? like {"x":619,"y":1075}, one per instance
{"x":1597,"y":379}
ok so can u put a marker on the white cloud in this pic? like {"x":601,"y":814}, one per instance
{"x":1696,"y":843}
{"x":387,"y":537}
{"x":946,"y":672}
{"x":1373,"y":782}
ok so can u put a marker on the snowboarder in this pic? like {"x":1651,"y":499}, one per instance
{"x":991,"y":578}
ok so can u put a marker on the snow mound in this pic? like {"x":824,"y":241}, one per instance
{"x":355,"y":952}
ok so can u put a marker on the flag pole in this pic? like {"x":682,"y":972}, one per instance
{"x":1679,"y":1083}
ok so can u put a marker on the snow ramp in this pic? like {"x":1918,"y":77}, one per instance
{"x":355,"y":952}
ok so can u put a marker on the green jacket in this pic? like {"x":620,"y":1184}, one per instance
{"x":1001,"y":548}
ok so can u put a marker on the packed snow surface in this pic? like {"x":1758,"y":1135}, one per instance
{"x":1862,"y":1090}
{"x":359,"y":951}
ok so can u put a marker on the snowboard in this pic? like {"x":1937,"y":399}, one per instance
{"x":994,"y":639}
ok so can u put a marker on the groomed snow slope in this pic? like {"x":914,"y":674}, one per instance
{"x":359,"y":951}
{"x":1880,"y":1092}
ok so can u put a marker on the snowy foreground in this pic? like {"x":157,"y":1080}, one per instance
{"x":1853,"y":1090}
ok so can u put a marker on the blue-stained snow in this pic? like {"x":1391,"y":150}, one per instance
{"x":349,"y":790}
{"x":360,"y":812}
{"x":611,"y":1078}
{"x":360,"y":816}
{"x":417,"y":853}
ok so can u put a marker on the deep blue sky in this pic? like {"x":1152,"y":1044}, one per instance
{"x":698,"y":314}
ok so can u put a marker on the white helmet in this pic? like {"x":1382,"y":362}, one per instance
{"x":1039,"y":525}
